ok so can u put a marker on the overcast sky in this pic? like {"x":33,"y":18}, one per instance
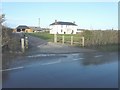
{"x":87,"y":15}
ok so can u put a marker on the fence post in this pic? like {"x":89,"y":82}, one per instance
{"x":63,"y":39}
{"x":26,"y":42}
{"x":55,"y":38}
{"x":71,"y":40}
{"x":83,"y":40}
{"x":23,"y":44}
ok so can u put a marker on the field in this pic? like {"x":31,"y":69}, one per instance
{"x":43,"y":35}
{"x":100,"y":39}
{"x":50,"y":37}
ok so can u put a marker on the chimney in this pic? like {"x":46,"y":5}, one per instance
{"x":74,"y":22}
{"x":55,"y":21}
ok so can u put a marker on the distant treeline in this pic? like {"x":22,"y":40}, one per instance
{"x":99,"y":37}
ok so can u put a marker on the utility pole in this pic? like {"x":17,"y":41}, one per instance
{"x":39,"y":22}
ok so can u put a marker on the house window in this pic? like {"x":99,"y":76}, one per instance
{"x":72,"y":32}
{"x":61,"y":30}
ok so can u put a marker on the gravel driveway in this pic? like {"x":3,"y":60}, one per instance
{"x":42,"y":46}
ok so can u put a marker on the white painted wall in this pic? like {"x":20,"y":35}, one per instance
{"x":60,"y":29}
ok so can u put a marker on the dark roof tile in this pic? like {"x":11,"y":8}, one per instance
{"x":63,"y":23}
{"x":22,"y":27}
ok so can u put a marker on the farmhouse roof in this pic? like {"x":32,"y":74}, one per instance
{"x":35,"y":28}
{"x":22,"y":27}
{"x":63,"y":23}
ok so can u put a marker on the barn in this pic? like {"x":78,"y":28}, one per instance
{"x":23,"y":28}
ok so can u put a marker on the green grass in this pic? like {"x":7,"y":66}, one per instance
{"x":101,"y":40}
{"x":43,"y":35}
{"x":67,"y":38}
{"x":50,"y":37}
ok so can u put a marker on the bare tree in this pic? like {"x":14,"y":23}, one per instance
{"x":2,"y":18}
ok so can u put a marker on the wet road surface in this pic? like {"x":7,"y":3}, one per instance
{"x":83,"y":70}
{"x":43,"y":67}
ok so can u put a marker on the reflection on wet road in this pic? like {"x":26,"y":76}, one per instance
{"x":97,"y":69}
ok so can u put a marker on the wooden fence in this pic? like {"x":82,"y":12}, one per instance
{"x":71,"y":40}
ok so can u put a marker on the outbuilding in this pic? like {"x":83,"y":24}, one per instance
{"x":23,"y":28}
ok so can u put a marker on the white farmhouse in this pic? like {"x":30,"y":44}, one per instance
{"x":59,"y":27}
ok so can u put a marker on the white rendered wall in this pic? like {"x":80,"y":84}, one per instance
{"x":61,"y":29}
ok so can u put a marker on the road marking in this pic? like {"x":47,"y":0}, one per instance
{"x":98,"y":56}
{"x":46,"y":55}
{"x":11,"y":69}
{"x":51,"y":63}
{"x":77,"y":59}
{"x":41,"y":55}
{"x":59,"y":61}
{"x":75,"y":54}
